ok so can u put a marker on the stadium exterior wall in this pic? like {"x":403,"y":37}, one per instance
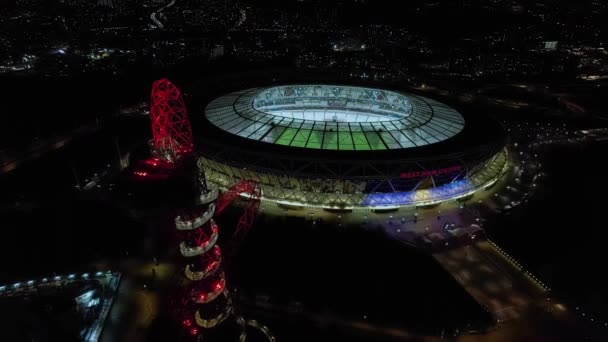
{"x":331,"y":192}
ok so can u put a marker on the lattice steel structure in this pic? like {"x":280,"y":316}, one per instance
{"x":171,"y":131}
{"x":202,"y":299}
{"x":376,"y":189}
{"x":253,"y":191}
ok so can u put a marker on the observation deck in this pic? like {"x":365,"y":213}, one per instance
{"x":182,"y":223}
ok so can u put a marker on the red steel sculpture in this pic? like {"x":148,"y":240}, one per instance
{"x":202,"y":301}
{"x":254,"y":191}
{"x":171,"y":131}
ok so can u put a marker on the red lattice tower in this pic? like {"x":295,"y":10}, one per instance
{"x":171,"y":131}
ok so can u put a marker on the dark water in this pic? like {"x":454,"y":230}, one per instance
{"x":561,"y":235}
{"x":351,"y":274}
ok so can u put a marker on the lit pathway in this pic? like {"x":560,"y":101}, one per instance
{"x":137,"y":303}
{"x":493,"y":280}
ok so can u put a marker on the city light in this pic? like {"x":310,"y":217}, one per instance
{"x":388,"y":147}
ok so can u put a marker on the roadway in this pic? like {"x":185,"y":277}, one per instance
{"x":155,"y":14}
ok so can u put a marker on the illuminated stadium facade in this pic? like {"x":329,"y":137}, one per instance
{"x":346,"y":147}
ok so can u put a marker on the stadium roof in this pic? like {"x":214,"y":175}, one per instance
{"x":333,"y":117}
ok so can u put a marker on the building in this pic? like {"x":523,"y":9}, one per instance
{"x":345,"y":147}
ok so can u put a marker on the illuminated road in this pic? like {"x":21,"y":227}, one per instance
{"x":492,"y":279}
{"x":154,"y":15}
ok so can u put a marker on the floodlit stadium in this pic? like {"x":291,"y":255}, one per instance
{"x":344,"y":147}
